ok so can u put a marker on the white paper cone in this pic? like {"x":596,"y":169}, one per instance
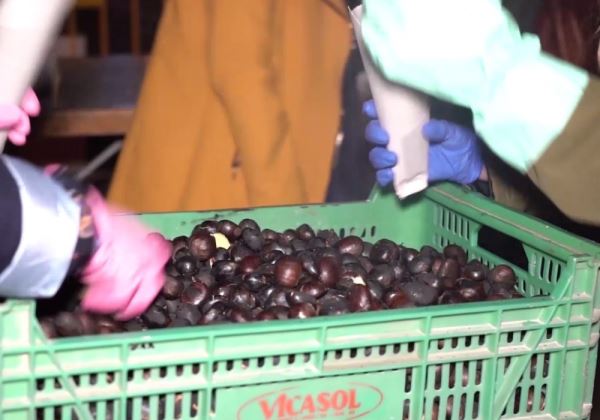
{"x":402,"y":113}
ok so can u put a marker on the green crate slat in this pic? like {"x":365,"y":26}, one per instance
{"x":506,"y":359}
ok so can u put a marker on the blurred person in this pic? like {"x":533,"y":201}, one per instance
{"x":239,"y":107}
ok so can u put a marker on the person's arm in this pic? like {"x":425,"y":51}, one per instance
{"x":569,"y":170}
{"x":40,"y":224}
{"x":534,"y":111}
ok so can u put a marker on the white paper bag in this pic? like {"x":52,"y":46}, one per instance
{"x":402,"y":113}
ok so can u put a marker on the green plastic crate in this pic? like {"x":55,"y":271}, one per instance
{"x":537,"y":356}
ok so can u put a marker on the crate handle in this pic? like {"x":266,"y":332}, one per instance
{"x":519,"y":364}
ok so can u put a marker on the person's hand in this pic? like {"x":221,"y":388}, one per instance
{"x":15,"y":119}
{"x":126,"y":272}
{"x":454,"y":153}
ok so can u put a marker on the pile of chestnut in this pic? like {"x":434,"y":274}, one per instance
{"x":229,"y":272}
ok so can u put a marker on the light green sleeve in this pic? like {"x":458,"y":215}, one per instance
{"x":471,"y":53}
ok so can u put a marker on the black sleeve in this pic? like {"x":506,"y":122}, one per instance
{"x":10,"y":216}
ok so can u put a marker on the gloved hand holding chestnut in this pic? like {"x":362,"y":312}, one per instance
{"x":53,"y":227}
{"x":454,"y":152}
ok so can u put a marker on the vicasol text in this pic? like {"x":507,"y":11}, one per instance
{"x":292,"y":404}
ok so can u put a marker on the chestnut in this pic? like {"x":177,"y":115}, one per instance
{"x":359,"y":298}
{"x":216,"y":313}
{"x":288,"y":271}
{"x":277,"y":297}
{"x":348,"y":259}
{"x":475,"y":270}
{"x":428,"y":251}
{"x":316,"y":243}
{"x":205,"y":277}
{"x":281,"y":312}
{"x":194,"y":294}
{"x":269,"y":235}
{"x":382,"y":274}
{"x":298,"y":245}
{"x":366,"y":263}
{"x":156,"y":317}
{"x":471,"y":290}
{"x":249,"y":264}
{"x":384,"y":251}
{"x":249,"y":224}
{"x":354,"y":272}
{"x":352,"y":245}
{"x":271,"y":256}
{"x":263,"y":295}
{"x":172,"y":288}
{"x":302,"y":311}
{"x":242,"y":298}
{"x":329,"y":236}
{"x":329,"y":271}
{"x":223,"y":291}
{"x":202,"y":245}
{"x":408,"y":254}
{"x":396,"y":299}
{"x":295,"y":297}
{"x":376,"y":290}
{"x":178,"y":243}
{"x":224,"y":269}
{"x":430,"y":279}
{"x":305,"y":232}
{"x":450,"y":297}
{"x":186,"y":265}
{"x":503,"y":276}
{"x":133,"y":325}
{"x":333,"y":306}
{"x":239,"y":251}
{"x":255,"y":281}
{"x":314,"y":288}
{"x":212,"y":226}
{"x":420,"y":264}
{"x":253,"y":239}
{"x":229,"y":229}
{"x":456,"y":252}
{"x":221,"y":254}
{"x":67,"y":324}
{"x":421,"y":294}
{"x":266,"y":315}
{"x":308,"y":262}
{"x":188,"y":312}
{"x":449,"y":270}
{"x":239,"y":315}
{"x":48,"y":327}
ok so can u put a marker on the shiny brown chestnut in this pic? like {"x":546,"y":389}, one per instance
{"x":302,"y":311}
{"x":288,"y":270}
{"x":352,"y":245}
{"x":503,"y":276}
{"x":384,"y":251}
{"x":202,"y":245}
{"x":456,"y":252}
{"x":359,"y":298}
{"x":329,"y":271}
{"x":172,"y":288}
{"x":229,"y":229}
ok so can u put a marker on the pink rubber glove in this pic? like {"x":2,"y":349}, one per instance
{"x":126,"y":272}
{"x":16,"y":119}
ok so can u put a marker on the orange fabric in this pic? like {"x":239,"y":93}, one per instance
{"x":240,"y":107}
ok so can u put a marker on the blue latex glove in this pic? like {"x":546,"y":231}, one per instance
{"x":454,"y":153}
